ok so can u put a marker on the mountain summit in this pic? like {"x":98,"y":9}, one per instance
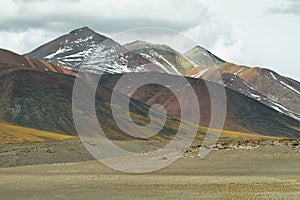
{"x":75,"y":50}
{"x":164,"y":56}
{"x":201,"y":56}
{"x":69,"y":50}
{"x":84,"y":31}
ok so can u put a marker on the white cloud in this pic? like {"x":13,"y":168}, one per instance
{"x":21,"y":42}
{"x":22,"y":17}
{"x":256,"y":32}
{"x":258,"y":38}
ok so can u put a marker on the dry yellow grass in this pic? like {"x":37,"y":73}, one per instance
{"x":17,"y":134}
{"x":230,"y":135}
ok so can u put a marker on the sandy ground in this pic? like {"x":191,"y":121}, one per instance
{"x":267,"y":172}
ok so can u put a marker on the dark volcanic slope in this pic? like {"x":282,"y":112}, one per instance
{"x":243,"y":113}
{"x":43,"y":100}
{"x":37,"y":99}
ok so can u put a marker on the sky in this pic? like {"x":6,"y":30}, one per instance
{"x":250,"y":32}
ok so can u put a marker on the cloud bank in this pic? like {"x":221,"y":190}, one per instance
{"x":254,"y":33}
{"x":288,"y":7}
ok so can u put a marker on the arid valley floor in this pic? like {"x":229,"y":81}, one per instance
{"x":264,"y":172}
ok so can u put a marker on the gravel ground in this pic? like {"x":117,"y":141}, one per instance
{"x":265,"y":172}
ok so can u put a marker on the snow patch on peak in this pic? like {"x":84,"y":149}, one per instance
{"x":290,"y":87}
{"x":59,"y":51}
{"x":274,"y":77}
{"x":104,"y":59}
{"x":80,"y":40}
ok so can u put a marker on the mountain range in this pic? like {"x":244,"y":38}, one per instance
{"x":37,"y":87}
{"x":279,"y":92}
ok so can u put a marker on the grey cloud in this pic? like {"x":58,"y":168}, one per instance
{"x":290,"y":7}
{"x":107,"y":16}
{"x":55,"y":17}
